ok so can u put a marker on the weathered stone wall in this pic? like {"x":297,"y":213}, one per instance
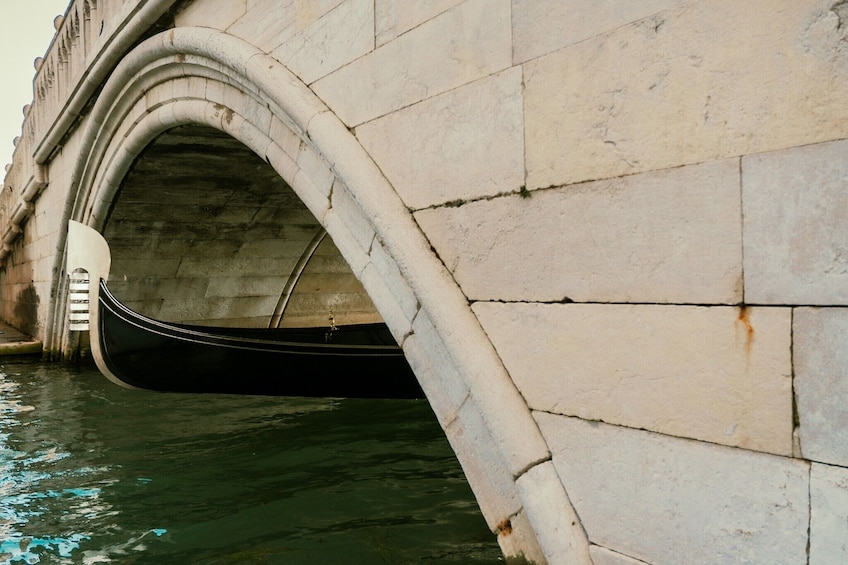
{"x":642,"y":206}
{"x":30,"y":269}
{"x":643,"y":202}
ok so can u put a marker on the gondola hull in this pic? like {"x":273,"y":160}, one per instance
{"x":358,"y":361}
{"x":354,"y":362}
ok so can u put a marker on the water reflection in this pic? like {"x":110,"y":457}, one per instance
{"x":92,"y":473}
{"x":28,"y":470}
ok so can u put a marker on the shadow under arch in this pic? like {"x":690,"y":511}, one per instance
{"x":200,"y":76}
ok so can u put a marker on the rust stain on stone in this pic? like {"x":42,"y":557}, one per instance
{"x":744,"y":320}
{"x":504,"y":528}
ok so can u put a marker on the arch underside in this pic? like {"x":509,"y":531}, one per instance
{"x":205,"y":232}
{"x":192,"y":81}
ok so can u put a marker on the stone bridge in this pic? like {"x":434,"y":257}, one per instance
{"x":611,"y":237}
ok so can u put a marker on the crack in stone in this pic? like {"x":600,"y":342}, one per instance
{"x":841,"y":10}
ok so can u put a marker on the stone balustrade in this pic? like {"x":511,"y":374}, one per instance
{"x":89,"y":38}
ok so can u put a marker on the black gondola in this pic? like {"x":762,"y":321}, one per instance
{"x":354,"y":361}
{"x":357,"y":361}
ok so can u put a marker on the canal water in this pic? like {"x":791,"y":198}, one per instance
{"x":93,"y":473}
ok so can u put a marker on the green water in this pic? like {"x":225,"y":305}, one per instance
{"x":94,"y":473}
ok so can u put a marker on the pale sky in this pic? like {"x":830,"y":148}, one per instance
{"x":26,"y":29}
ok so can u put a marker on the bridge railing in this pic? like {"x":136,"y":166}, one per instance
{"x":90,"y":38}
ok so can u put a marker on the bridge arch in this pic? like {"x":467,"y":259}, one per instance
{"x":199,"y":76}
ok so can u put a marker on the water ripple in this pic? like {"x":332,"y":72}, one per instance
{"x":91,"y":473}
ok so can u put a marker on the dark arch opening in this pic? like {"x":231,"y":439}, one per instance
{"x":205,"y":232}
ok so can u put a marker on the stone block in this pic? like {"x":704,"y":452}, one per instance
{"x":185,"y":87}
{"x":439,"y":376}
{"x":344,"y":34}
{"x":557,"y":526}
{"x":228,"y":287}
{"x":313,"y":165}
{"x":253,"y":137}
{"x":540,"y":27}
{"x":346,"y":209}
{"x":667,"y":500}
{"x":388,"y":270}
{"x":174,"y":247}
{"x":153,"y":289}
{"x":395,"y":18}
{"x":820,"y":336}
{"x":484,"y":467}
{"x":290,"y":247}
{"x":268,"y":23}
{"x":191,"y":266}
{"x":43,"y":223}
{"x":666,"y":236}
{"x":519,"y":541}
{"x":208,"y":311}
{"x":331,"y":282}
{"x":239,"y":101}
{"x":828,"y":514}
{"x":453,"y":149}
{"x":282,"y":162}
{"x":285,"y":136}
{"x":314,"y":196}
{"x":256,"y":113}
{"x":221,"y":17}
{"x":717,"y":374}
{"x":141,"y":267}
{"x":150,"y":308}
{"x":700,"y":82}
{"x":346,"y":241}
{"x":796,"y":225}
{"x":457,"y":47}
{"x":390,"y":310}
{"x":164,"y":92}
